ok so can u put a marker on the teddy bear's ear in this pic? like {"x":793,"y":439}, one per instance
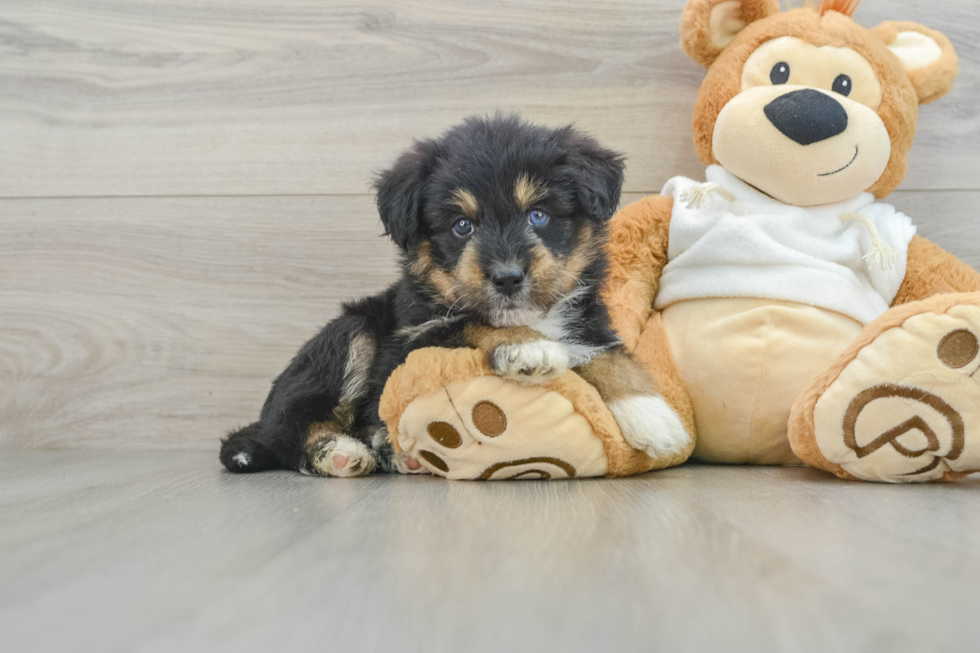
{"x":708,"y":26}
{"x":926,"y":55}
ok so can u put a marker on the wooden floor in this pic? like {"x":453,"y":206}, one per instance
{"x":163,"y":551}
{"x":184,"y":199}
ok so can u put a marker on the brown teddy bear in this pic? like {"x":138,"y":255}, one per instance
{"x":783,"y":310}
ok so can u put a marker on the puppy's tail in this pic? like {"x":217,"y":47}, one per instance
{"x":243,"y":451}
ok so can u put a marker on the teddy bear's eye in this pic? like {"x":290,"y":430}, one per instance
{"x":842,"y":85}
{"x":779,"y":73}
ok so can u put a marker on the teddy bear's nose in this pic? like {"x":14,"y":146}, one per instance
{"x":807,"y":116}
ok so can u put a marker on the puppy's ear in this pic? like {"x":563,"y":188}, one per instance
{"x":399,"y":192}
{"x":597,"y":174}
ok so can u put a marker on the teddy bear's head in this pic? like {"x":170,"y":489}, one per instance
{"x":807,"y":105}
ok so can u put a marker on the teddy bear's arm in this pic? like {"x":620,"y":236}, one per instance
{"x":637,"y":250}
{"x":932,"y":271}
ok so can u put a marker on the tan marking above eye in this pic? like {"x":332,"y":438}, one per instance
{"x":489,"y":419}
{"x":814,"y":67}
{"x":466,"y":202}
{"x":527,"y":191}
{"x":445,"y":434}
{"x":958,"y":348}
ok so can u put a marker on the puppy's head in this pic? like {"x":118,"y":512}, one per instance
{"x":500,"y":217}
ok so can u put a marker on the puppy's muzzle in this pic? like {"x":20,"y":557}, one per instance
{"x":508,"y":281}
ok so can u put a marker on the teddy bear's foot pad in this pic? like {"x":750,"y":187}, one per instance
{"x":906,"y":408}
{"x":449,"y":410}
{"x":492,"y":429}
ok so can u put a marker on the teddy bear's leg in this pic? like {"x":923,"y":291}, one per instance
{"x":902,"y":403}
{"x":647,"y":422}
{"x":653,"y":351}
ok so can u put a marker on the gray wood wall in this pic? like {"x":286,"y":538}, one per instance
{"x":184,"y":183}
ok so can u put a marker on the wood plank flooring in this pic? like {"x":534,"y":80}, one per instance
{"x":163,"y":551}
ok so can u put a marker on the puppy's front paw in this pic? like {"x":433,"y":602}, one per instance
{"x":534,"y":362}
{"x":342,"y":456}
{"x":650,"y":425}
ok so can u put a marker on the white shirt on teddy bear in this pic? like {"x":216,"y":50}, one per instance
{"x":759,"y":247}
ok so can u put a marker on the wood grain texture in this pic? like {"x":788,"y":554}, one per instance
{"x":161,"y":551}
{"x":192,"y":97}
{"x":160,"y":323}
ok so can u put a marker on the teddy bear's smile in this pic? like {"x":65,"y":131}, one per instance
{"x":853,"y":159}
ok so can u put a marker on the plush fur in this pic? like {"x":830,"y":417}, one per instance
{"x":902,"y":91}
{"x":931,"y":270}
{"x":637,"y":253}
{"x":460,"y":208}
{"x":935,"y":80}
{"x":696,"y":24}
{"x":935,"y":281}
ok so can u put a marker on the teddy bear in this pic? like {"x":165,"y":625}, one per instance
{"x":785,"y":312}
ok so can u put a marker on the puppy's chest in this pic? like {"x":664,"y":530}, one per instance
{"x":559,"y":327}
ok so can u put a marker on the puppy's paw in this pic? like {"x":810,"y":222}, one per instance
{"x":650,"y":425}
{"x":534,"y":362}
{"x":406,"y":464}
{"x":342,"y":456}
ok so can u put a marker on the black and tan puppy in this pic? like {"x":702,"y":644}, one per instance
{"x":502,"y":227}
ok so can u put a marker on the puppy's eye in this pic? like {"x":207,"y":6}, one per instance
{"x":463,"y":228}
{"x":779,"y":73}
{"x":538,"y":218}
{"x":842,"y":85}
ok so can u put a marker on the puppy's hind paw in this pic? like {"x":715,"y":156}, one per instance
{"x":342,"y":456}
{"x":535,"y":362}
{"x":650,"y":425}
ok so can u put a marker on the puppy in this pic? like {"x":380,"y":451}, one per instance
{"x":501,"y":225}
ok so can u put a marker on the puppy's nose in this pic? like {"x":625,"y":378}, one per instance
{"x":507,"y":281}
{"x":807,"y":116}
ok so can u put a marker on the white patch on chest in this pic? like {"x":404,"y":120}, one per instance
{"x":554,"y":325}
